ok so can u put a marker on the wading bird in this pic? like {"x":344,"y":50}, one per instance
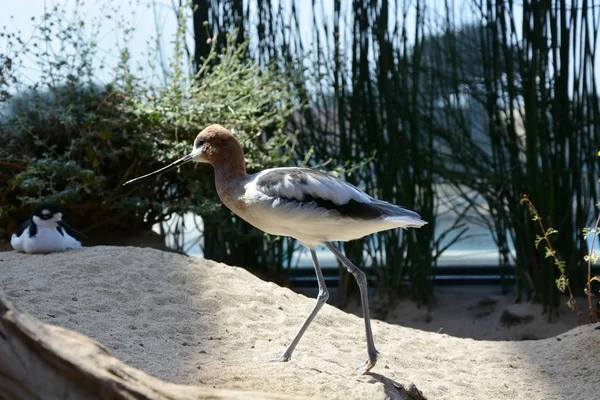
{"x":310,"y":206}
{"x":45,"y":232}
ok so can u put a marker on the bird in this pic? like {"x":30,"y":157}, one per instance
{"x":45,"y":232}
{"x":313,"y":207}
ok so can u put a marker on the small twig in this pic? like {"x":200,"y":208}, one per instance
{"x":108,"y":97}
{"x":560,"y":264}
{"x":17,"y":165}
{"x":126,"y":175}
{"x":593,"y":317}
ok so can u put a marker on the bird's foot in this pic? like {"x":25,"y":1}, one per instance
{"x":282,"y":358}
{"x":370,"y":363}
{"x":366,"y":367}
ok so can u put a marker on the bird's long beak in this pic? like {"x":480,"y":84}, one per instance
{"x":69,"y":229}
{"x":174,"y":164}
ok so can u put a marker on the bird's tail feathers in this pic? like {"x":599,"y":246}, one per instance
{"x":407,"y":222}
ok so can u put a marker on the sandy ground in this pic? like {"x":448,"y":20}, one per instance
{"x":193,"y":321}
{"x":476,"y":312}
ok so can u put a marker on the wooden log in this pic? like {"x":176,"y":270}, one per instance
{"x":40,"y":361}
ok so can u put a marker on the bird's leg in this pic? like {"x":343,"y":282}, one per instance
{"x":321,"y":300}
{"x":361,"y":279}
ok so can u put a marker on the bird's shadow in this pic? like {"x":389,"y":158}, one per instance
{"x":397,"y":390}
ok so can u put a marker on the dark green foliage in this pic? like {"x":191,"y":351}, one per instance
{"x":74,"y":142}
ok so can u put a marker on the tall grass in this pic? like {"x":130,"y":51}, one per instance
{"x":361,"y":80}
{"x":538,"y":94}
{"x":493,"y":106}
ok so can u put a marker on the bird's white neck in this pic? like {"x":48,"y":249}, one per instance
{"x":45,"y":223}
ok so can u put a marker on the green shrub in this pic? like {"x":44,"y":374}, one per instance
{"x":73,"y":141}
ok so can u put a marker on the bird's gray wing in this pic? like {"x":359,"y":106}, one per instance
{"x":316,"y":189}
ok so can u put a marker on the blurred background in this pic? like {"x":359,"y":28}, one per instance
{"x":456,"y":109}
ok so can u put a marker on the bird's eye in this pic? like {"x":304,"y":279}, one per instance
{"x":199,"y":143}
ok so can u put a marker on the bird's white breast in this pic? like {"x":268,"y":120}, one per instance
{"x":47,"y":240}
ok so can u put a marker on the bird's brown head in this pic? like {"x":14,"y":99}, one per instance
{"x":217,"y":146}
{"x":214,"y":145}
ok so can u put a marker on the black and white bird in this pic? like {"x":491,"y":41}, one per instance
{"x":313,"y":207}
{"x":45,"y":232}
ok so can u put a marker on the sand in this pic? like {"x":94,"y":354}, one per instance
{"x":478,"y":312}
{"x":193,"y":321}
